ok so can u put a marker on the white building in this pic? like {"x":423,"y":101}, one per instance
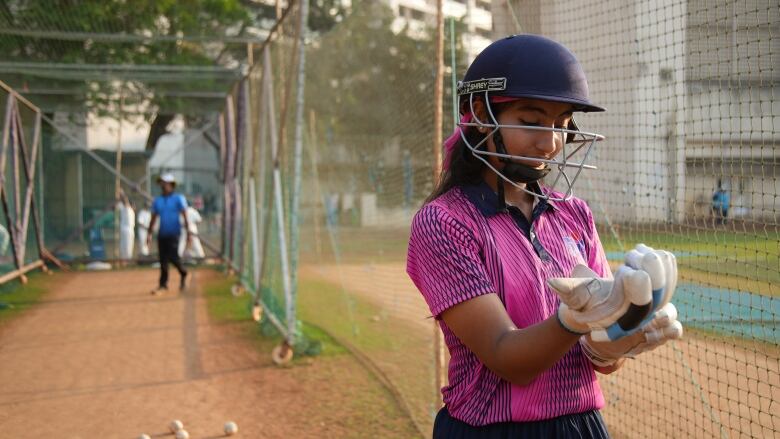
{"x":691,"y":91}
{"x":420,"y":17}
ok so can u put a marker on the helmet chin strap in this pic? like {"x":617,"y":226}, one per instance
{"x":517,"y":172}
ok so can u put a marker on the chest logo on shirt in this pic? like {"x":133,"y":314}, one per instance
{"x":575,"y":245}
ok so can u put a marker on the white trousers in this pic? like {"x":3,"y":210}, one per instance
{"x":126,"y":243}
{"x":142,"y":247}
{"x":195,"y":249}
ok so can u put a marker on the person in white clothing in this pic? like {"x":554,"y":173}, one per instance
{"x":195,"y":249}
{"x":143,"y":220}
{"x":126,"y":227}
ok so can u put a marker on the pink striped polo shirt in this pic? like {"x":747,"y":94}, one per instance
{"x":461,"y":247}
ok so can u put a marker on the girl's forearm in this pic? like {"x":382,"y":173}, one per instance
{"x":523,"y":354}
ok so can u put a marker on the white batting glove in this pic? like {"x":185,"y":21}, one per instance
{"x":662,"y":328}
{"x":610,"y":309}
{"x":590,"y":303}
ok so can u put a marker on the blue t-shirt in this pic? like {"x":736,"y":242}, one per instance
{"x":721,"y":199}
{"x":169,"y":208}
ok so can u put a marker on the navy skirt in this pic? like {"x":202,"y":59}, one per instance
{"x":580,"y":425}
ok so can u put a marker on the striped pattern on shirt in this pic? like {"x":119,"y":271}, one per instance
{"x":461,"y":247}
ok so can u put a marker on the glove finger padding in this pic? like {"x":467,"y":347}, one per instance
{"x":662,"y":328}
{"x":661,"y":267}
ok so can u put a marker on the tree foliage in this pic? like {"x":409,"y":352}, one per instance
{"x":101,"y":91}
{"x":363,"y":78}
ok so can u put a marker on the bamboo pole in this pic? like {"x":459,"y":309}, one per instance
{"x":20,"y":272}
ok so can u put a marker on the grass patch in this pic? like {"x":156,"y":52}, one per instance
{"x":359,"y":399}
{"x":16,"y":298}
{"x":224,"y":308}
{"x":402,"y":350}
{"x":728,"y":259}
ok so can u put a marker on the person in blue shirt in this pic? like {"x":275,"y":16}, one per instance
{"x":169,"y":207}
{"x":720,"y":204}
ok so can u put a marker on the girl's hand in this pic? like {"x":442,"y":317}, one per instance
{"x":611,"y":309}
{"x":662,"y":328}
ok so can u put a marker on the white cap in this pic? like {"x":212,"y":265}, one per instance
{"x":166,"y":178}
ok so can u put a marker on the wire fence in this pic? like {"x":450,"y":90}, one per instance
{"x":20,"y":183}
{"x":309,"y":178}
{"x":689,"y":165}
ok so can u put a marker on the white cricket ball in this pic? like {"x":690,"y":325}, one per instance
{"x":182,"y":434}
{"x":231,"y":428}
{"x":144,"y":436}
{"x":175,"y":426}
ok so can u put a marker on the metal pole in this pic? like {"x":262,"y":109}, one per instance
{"x":297,"y":159}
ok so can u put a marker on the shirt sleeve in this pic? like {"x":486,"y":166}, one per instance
{"x":156,"y":206}
{"x":444,"y":261}
{"x":182,"y":203}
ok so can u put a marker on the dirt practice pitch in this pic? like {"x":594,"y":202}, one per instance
{"x":100,"y":357}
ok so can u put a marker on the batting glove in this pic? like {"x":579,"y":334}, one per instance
{"x":663,"y":327}
{"x":610,"y":309}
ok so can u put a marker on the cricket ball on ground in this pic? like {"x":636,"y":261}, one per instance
{"x":182,"y":434}
{"x":231,"y":428}
{"x":175,"y":426}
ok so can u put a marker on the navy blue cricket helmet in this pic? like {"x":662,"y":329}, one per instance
{"x":531,"y":66}
{"x":535,"y":67}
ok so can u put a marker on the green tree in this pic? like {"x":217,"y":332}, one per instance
{"x":100,"y":91}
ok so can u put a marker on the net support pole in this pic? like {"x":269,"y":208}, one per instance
{"x":453,"y":75}
{"x":230,"y":202}
{"x":243,"y":159}
{"x":9,"y":137}
{"x":297,"y":164}
{"x":438,"y":95}
{"x":225,"y":197}
{"x":253,"y":227}
{"x":277,"y":188}
{"x":118,"y":167}
{"x":259,"y":167}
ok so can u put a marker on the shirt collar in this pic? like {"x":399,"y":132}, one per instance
{"x":485,"y":200}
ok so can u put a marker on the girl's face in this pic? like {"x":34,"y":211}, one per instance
{"x":527,"y":142}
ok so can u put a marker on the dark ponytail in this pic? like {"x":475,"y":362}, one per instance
{"x":464,"y":168}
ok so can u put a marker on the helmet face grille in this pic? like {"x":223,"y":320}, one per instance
{"x":566,"y":166}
